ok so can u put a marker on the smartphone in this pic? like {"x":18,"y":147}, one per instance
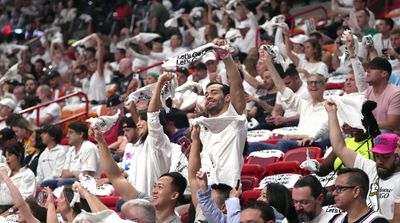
{"x":237,"y":184}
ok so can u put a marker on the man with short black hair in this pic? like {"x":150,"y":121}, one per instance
{"x":257,"y":212}
{"x":308,"y":195}
{"x":82,"y":157}
{"x":51,"y":161}
{"x":350,"y":192}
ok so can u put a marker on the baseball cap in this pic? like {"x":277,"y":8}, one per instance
{"x":6,"y":134}
{"x":114,"y":100}
{"x":380,"y":64}
{"x":210,"y":55}
{"x":53,"y":73}
{"x":299,"y":39}
{"x":385,"y":143}
{"x":9,"y":103}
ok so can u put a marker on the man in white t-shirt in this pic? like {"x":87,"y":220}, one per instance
{"x":223,"y":143}
{"x":82,"y":157}
{"x":51,"y":161}
{"x":49,"y":114}
{"x":384,"y":173}
{"x":282,"y":114}
{"x":308,"y":195}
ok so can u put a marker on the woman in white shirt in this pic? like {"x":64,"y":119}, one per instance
{"x":22,"y":177}
{"x":312,"y":63}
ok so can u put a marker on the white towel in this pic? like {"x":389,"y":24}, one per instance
{"x":104,"y":122}
{"x":349,"y":109}
{"x":215,"y":125}
{"x":105,"y":216}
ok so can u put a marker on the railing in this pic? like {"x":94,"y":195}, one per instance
{"x":140,"y":70}
{"x":37,"y":108}
{"x":316,"y":8}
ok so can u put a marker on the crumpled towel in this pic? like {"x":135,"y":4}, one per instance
{"x":105,"y":216}
{"x":349,"y":109}
{"x":217,"y":124}
{"x":104,"y":122}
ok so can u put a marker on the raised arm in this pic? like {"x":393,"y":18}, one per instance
{"x":155,"y":102}
{"x":194,"y":162}
{"x":235,"y":81}
{"x":115,"y":174}
{"x":295,"y":59}
{"x":94,"y":203}
{"x":347,"y":156}
{"x":100,"y":59}
{"x":280,"y":85}
{"x":19,"y":201}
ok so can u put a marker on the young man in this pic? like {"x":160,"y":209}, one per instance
{"x":307,"y":195}
{"x":350,"y":192}
{"x":383,"y":174}
{"x":51,"y":161}
{"x":82,"y":157}
{"x":223,"y":159}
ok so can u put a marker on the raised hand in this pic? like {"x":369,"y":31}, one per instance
{"x":330,"y":106}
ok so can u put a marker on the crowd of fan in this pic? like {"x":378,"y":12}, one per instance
{"x":167,"y":157}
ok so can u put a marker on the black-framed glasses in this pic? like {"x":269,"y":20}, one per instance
{"x":341,"y":188}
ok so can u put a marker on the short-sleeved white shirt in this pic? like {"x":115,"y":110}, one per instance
{"x":302,"y":92}
{"x":313,"y":68}
{"x":53,"y":109}
{"x":86,"y":159}
{"x":389,"y":189}
{"x":24,"y":180}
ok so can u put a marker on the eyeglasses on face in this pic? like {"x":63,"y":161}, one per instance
{"x":340,"y":188}
{"x":314,"y":82}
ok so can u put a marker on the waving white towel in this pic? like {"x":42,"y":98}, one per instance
{"x":217,"y":124}
{"x":190,"y":86}
{"x":349,"y":109}
{"x":104,"y":122}
{"x":141,"y":94}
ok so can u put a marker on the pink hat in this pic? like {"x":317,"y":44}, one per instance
{"x":385,"y":143}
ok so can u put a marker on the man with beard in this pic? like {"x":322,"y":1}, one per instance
{"x":308,"y":195}
{"x":384,"y":173}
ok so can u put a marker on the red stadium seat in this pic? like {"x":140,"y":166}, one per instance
{"x":185,"y":217}
{"x":253,"y":170}
{"x":249,"y":182}
{"x":300,"y":154}
{"x":109,"y":201}
{"x":250,"y":195}
{"x":283,"y":167}
{"x":333,"y":86}
{"x":261,"y":161}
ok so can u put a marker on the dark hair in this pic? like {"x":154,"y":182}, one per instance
{"x":54,"y":131}
{"x":364,"y":10}
{"x":13,"y":118}
{"x":30,"y":101}
{"x":38,"y":140}
{"x":199,"y":66}
{"x":18,"y":150}
{"x":41,"y":61}
{"x":122,"y":51}
{"x":178,"y":183}
{"x":128,"y":121}
{"x":357,"y":178}
{"x":313,"y":183}
{"x":39,"y":212}
{"x":225,"y":88}
{"x":395,"y":31}
{"x":222,"y":190}
{"x":291,"y":71}
{"x":317,"y":47}
{"x":280,"y":198}
{"x":79,"y":127}
{"x":267,"y":213}
{"x":77,"y":208}
{"x":91,"y":49}
{"x":389,"y":22}
{"x":82,"y":67}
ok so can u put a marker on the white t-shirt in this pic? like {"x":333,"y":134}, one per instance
{"x":86,"y":159}
{"x":247,"y":42}
{"x":128,"y":154}
{"x":152,"y":157}
{"x":389,"y":189}
{"x":302,"y":92}
{"x":97,"y":88}
{"x":323,"y":217}
{"x":312,"y":117}
{"x":24,"y":180}
{"x":313,"y":68}
{"x":380,"y":44}
{"x":223,"y":159}
{"x":53,"y":110}
{"x":50,"y":164}
{"x":179,"y":163}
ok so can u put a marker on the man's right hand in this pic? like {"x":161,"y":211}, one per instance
{"x":201,"y":178}
{"x":195,"y":132}
{"x":330,"y":106}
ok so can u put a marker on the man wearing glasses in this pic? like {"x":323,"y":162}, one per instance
{"x":313,"y":117}
{"x":384,"y":173}
{"x":350,"y":192}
